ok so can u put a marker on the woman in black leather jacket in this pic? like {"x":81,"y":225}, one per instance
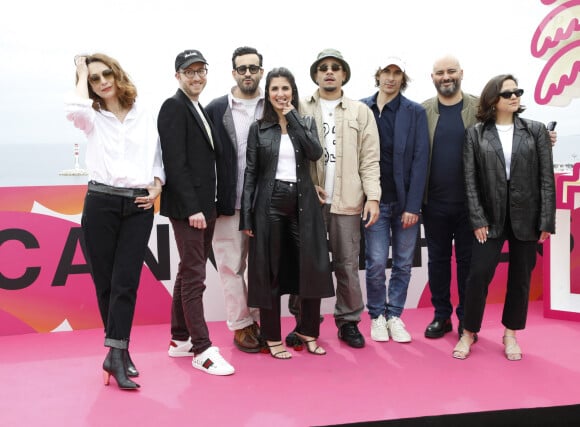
{"x":509,"y":181}
{"x":281,"y":213}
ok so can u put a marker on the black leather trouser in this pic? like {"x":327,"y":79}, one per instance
{"x":284,"y":231}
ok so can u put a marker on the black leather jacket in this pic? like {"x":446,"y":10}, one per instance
{"x":309,"y":275}
{"x":531,"y":189}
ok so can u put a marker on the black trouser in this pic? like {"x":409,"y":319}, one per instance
{"x":116,"y":234}
{"x":283,"y":223}
{"x":484,"y":260}
{"x":447,"y":226}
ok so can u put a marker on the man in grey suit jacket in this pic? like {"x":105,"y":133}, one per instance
{"x":189,"y":148}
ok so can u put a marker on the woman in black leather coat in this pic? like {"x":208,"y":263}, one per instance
{"x":281,"y":212}
{"x":509,"y":181}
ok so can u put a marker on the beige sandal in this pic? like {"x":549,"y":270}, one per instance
{"x":278,"y":351}
{"x":463,"y":349}
{"x":512,"y":350}
{"x":311,"y":344}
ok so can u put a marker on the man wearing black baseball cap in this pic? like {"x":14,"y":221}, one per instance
{"x":189,"y":145}
{"x":188,"y":57}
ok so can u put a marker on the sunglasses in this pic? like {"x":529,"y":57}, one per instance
{"x":243,"y":68}
{"x":509,"y":93}
{"x":106,"y":74}
{"x":333,"y":67}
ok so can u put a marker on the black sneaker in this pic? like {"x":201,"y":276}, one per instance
{"x":350,"y":334}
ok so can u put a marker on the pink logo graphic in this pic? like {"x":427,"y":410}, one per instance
{"x":557,"y":40}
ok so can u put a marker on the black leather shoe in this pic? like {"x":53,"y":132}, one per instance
{"x":460,"y":331}
{"x":438,"y":327}
{"x":350,"y":334}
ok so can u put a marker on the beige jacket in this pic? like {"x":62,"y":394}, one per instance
{"x":357,"y":176}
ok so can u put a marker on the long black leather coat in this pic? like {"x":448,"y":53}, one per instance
{"x":310,"y":275}
{"x":532,"y":193}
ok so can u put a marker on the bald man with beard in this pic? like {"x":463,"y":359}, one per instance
{"x":445,"y":215}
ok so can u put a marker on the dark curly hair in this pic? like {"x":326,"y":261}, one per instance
{"x":490,"y":97}
{"x":126,"y":90}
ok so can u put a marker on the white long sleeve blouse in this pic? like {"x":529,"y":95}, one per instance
{"x":120,"y":154}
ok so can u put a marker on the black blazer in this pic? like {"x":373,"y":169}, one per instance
{"x":530,"y":191}
{"x":188,"y":158}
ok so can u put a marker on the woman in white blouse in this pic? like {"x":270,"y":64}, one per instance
{"x":125,"y":177}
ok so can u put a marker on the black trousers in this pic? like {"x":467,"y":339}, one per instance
{"x":116,"y":234}
{"x":283,"y":223}
{"x":446,"y":228}
{"x":484,"y":260}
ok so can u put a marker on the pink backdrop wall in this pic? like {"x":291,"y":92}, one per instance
{"x":45,"y":285}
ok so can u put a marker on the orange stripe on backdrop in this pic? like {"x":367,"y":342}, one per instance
{"x":67,"y":200}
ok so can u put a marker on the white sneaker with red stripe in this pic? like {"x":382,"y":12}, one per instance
{"x":212,"y":362}
{"x":180,"y":348}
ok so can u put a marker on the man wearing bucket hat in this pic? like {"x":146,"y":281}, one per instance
{"x":346,"y":179}
{"x":404,"y":140}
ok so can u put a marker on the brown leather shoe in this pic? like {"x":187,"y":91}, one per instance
{"x":246,"y":340}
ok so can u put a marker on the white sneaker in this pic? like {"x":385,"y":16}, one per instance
{"x":379,"y":330}
{"x":180,"y":348}
{"x":212,"y":362}
{"x":397,"y":330}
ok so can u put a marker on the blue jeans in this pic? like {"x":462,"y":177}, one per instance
{"x":387,"y":231}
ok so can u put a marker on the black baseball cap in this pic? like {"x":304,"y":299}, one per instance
{"x":188,"y":57}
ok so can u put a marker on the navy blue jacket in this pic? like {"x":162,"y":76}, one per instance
{"x":411,"y":152}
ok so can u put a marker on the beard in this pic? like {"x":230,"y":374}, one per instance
{"x":330,"y":88}
{"x":248,"y":90}
{"x":448,"y":91}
